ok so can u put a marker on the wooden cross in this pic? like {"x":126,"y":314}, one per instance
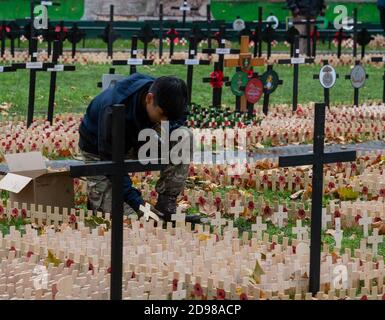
{"x":218,"y":221}
{"x":246,"y":62}
{"x":299,"y":230}
{"x":365,"y":221}
{"x":179,"y":294}
{"x":355,"y":88}
{"x":221,"y":51}
{"x":338,"y":233}
{"x":184,"y":8}
{"x":280,"y":216}
{"x":134,"y":61}
{"x":374,"y":240}
{"x":147,"y":213}
{"x":381,"y":59}
{"x":236,"y":210}
{"x":326,"y":90}
{"x":34,"y":67}
{"x":52,"y":84}
{"x":179,"y":217}
{"x":317,"y":159}
{"x":259,"y":227}
{"x":115,"y":170}
{"x":295,"y":61}
{"x":325,"y":218}
{"x":190,"y":62}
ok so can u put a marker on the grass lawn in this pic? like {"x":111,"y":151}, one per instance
{"x":76,"y":89}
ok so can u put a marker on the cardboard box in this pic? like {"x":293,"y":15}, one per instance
{"x":29,"y":181}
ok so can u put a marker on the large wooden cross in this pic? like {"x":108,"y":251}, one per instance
{"x":317,"y":160}
{"x":115,"y":170}
{"x":246,"y":62}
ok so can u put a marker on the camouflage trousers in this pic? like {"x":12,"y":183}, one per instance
{"x":99,"y":188}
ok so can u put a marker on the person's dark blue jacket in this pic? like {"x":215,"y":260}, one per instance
{"x":95,"y":128}
{"x":381,"y":3}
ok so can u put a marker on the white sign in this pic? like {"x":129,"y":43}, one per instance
{"x":14,"y":182}
{"x":190,"y":62}
{"x":222,"y":51}
{"x":46,"y":3}
{"x":135,"y":61}
{"x":297,"y":60}
{"x":273,"y":19}
{"x":1,"y":69}
{"x":327,"y":76}
{"x":184,"y":8}
{"x":57,"y":68}
{"x":110,"y":80}
{"x":34,"y":65}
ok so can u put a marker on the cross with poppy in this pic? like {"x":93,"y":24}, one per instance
{"x":246,"y":62}
{"x":217,"y":78}
{"x":317,"y":159}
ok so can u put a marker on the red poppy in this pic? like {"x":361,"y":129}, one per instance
{"x":251,"y":205}
{"x":29,"y":254}
{"x":377,"y":219}
{"x":297,"y":180}
{"x":267,"y":211}
{"x":337,"y":214}
{"x":331,"y":185}
{"x":174,"y":284}
{"x":243,"y":296}
{"x":202,"y":201}
{"x":109,"y":270}
{"x":198,"y":290}
{"x":133,"y":275}
{"x":12,"y":249}
{"x":301,"y":214}
{"x":90,"y":267}
{"x":216,"y":79}
{"x":221,"y":294}
{"x":265,"y":178}
{"x":382,"y":192}
{"x":153,"y":194}
{"x":383,"y":296}
{"x":23,"y":213}
{"x":273,"y":244}
{"x":294,"y":249}
{"x":365,"y":190}
{"x":72,"y":218}
{"x":218,"y":201}
{"x":1,"y":210}
{"x":69,"y":262}
{"x":281,"y":179}
{"x":14,"y":213}
{"x":364,"y":297}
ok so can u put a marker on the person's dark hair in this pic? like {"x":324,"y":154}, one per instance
{"x":170,"y":94}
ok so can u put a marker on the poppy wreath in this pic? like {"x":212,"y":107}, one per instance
{"x":216,"y":79}
{"x":172,"y":33}
{"x":7,"y":30}
{"x":58,"y":30}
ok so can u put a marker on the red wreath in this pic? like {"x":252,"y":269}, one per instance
{"x":174,"y":33}
{"x":7,"y":29}
{"x":216,"y":79}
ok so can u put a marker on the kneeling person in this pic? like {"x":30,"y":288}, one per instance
{"x":148,"y":101}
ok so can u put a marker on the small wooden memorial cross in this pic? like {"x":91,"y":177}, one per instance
{"x":115,"y":170}
{"x":300,"y":230}
{"x":280,"y":216}
{"x":374,"y":240}
{"x":259,"y":227}
{"x":271,"y":81}
{"x":179,"y":217}
{"x":34,"y":66}
{"x":184,"y":8}
{"x":221,"y":51}
{"x":338,"y":234}
{"x":381,"y":59}
{"x":218,"y":222}
{"x":52,"y":85}
{"x":295,"y":61}
{"x":190,"y":62}
{"x":317,"y":160}
{"x":146,"y":35}
{"x":246,"y":62}
{"x":133,"y":61}
{"x":327,"y":78}
{"x":365,"y":222}
{"x":357,"y":78}
{"x":236,"y":210}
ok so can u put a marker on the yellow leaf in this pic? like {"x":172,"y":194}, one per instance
{"x":258,"y":271}
{"x":52,"y":259}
